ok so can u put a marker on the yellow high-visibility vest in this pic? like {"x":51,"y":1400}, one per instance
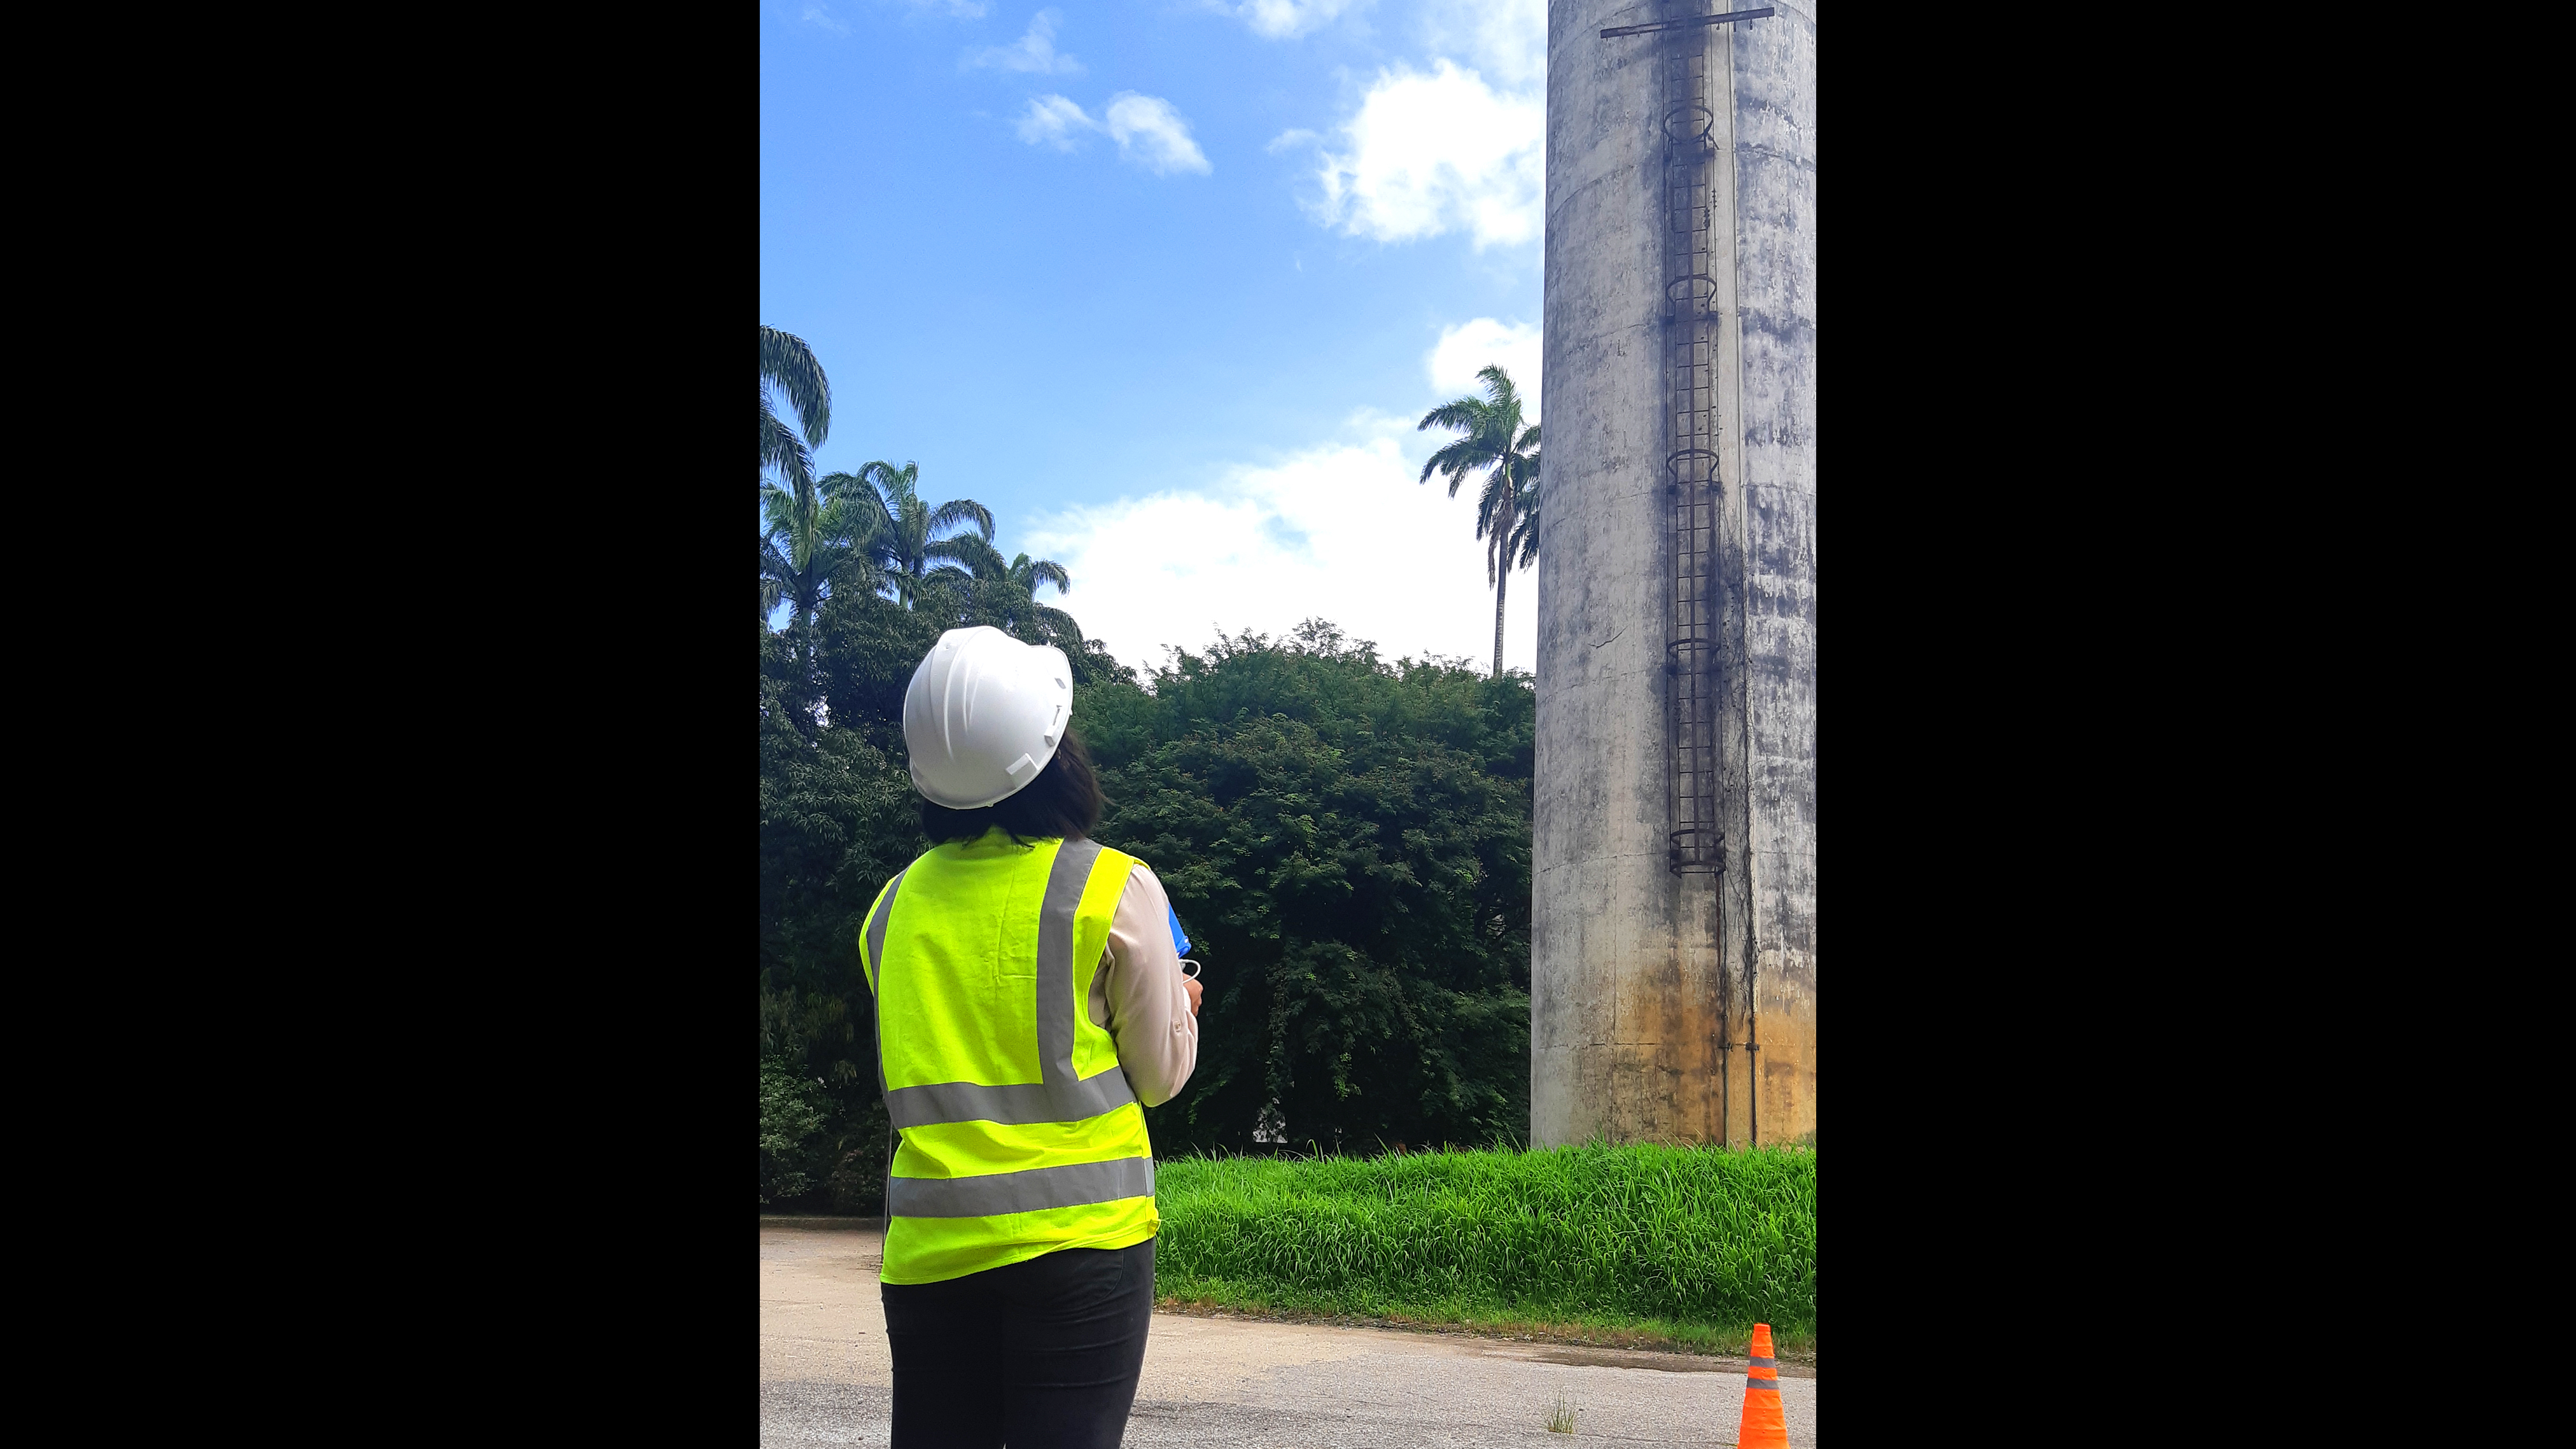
{"x":1020,"y":1133}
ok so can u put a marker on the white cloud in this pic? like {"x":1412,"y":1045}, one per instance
{"x":1453,"y":362}
{"x":1503,"y":39}
{"x":1153,"y":135}
{"x":1148,"y":131}
{"x":819,"y":14}
{"x":1034,"y":51}
{"x":1054,"y":121}
{"x":1341,"y":532}
{"x":1285,"y":19}
{"x":1440,"y":152}
{"x":962,"y":9}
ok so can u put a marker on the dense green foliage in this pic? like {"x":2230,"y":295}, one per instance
{"x":1347,"y":841}
{"x":794,"y":1112}
{"x":1692,"y":1243}
{"x":1346,"y":838}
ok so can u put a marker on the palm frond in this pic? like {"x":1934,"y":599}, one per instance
{"x":977,"y":555}
{"x":1456,"y":461}
{"x":1465,"y":413}
{"x":1526,"y":509}
{"x":898,"y":484}
{"x":964,"y":510}
{"x":911,"y":531}
{"x":848,"y":520}
{"x":780,"y":449}
{"x":786,"y":361}
{"x":1494,"y":503}
{"x":1528,"y":438}
{"x":858,"y":497}
{"x":1068,"y":634}
{"x":854,"y":575}
{"x":1042,"y":571}
{"x":1496,"y":514}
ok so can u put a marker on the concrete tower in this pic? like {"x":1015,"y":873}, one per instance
{"x":1674,"y":919}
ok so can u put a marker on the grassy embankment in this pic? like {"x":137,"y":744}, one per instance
{"x":1637,"y":1246}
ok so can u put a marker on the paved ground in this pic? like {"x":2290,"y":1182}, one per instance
{"x":824,"y":1376}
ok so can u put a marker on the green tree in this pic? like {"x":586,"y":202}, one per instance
{"x":794,"y":1113}
{"x":836,"y":822}
{"x":1025,"y":577}
{"x":1507,"y":452}
{"x":908,"y":537}
{"x":1031,"y":575}
{"x":808,"y":544}
{"x":813,"y":545}
{"x":1011,"y":589}
{"x":1347,"y":841}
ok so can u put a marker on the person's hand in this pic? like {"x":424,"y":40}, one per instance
{"x":1193,"y":987}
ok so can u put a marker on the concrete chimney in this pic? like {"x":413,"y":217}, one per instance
{"x":1673,"y":950}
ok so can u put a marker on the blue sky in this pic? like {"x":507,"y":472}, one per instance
{"x":1167,"y":284}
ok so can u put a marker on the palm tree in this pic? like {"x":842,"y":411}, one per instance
{"x":905,"y":541}
{"x":811,"y":546}
{"x":789,"y":365}
{"x":1507,"y":509}
{"x":1026,"y":576}
{"x":1014,"y":589}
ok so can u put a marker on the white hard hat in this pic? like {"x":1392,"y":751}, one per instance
{"x":983,"y":715}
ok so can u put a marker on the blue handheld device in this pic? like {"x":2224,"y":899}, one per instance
{"x":1181,"y":944}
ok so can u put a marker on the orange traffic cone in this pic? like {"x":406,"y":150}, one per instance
{"x":1762,"y":1426}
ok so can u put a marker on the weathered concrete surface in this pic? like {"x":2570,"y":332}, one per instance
{"x":1775,"y":147}
{"x":825,"y":1377}
{"x":1638,"y":977}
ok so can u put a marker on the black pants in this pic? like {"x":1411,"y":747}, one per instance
{"x":1039,"y":1355}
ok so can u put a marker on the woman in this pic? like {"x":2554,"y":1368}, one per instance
{"x":1029,"y":1006}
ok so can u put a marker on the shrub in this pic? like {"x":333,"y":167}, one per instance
{"x":793,"y":1118}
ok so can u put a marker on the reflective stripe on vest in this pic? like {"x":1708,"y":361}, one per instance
{"x":979,"y":960}
{"x":1028,"y":1190}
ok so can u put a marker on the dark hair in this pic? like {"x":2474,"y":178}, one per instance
{"x":1064,"y":800}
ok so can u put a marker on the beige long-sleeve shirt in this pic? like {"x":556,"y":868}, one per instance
{"x":1137,"y":995}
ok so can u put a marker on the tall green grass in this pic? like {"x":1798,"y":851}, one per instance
{"x":1692,"y":1244}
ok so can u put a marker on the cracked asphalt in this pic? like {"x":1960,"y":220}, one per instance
{"x":825,"y":1376}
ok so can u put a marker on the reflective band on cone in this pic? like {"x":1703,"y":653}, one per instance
{"x":1762,"y":1426}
